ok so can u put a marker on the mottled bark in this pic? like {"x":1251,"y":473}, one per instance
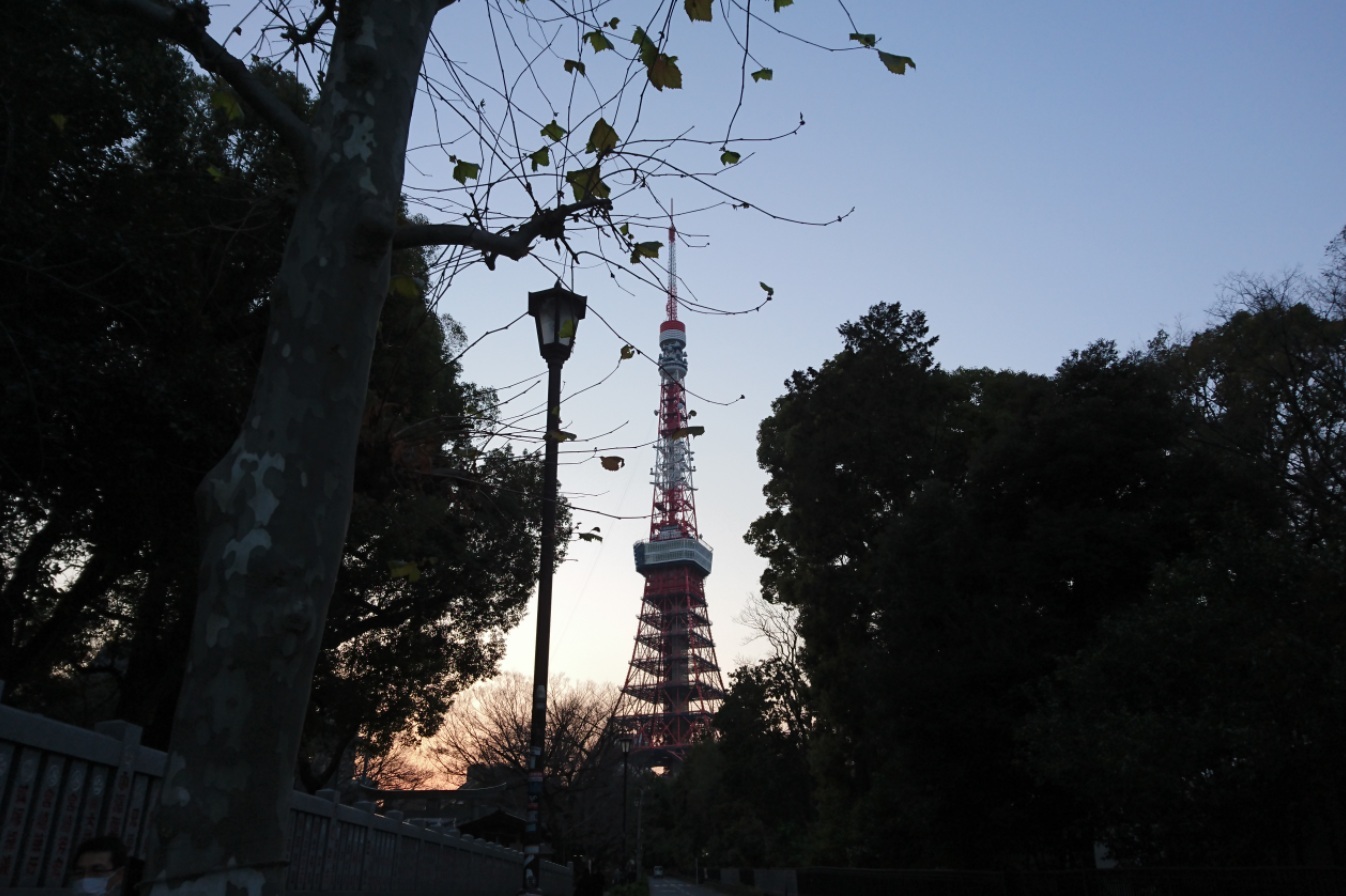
{"x":274,"y":510}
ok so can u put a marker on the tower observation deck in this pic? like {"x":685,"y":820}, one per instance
{"x":673,"y":686}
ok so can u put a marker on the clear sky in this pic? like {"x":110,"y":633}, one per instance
{"x":1052,"y":173}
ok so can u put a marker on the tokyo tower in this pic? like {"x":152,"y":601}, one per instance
{"x":673,"y":686}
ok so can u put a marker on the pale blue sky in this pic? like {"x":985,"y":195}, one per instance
{"x":1051,"y":174}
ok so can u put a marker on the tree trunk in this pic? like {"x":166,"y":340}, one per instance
{"x":274,"y":510}
{"x":69,"y":617}
{"x":158,"y":644}
{"x":14,"y":596}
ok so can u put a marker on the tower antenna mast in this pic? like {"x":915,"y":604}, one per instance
{"x":671,"y":307}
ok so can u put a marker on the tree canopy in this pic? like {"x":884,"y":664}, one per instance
{"x":1040,"y":613}
{"x":140,"y":234}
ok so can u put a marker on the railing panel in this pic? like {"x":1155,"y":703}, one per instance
{"x":18,"y":798}
{"x":67,"y":821}
{"x":136,"y":811}
{"x":123,"y":778}
{"x":142,"y":844}
{"x":354,"y":825}
{"x":95,"y":794}
{"x":42,"y":826}
{"x":60,"y":785}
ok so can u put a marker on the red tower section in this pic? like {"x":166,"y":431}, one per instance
{"x":673,"y":686}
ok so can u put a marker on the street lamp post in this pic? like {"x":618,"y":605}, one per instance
{"x":625,"y":743}
{"x":640,"y":846}
{"x":557,"y":312}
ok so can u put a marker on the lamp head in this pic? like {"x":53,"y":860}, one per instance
{"x":557,"y":312}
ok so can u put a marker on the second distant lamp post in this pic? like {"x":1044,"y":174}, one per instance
{"x":625,"y":743}
{"x":557,"y":312}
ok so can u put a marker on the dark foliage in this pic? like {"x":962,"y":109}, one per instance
{"x":141,"y":222}
{"x":1041,"y":613}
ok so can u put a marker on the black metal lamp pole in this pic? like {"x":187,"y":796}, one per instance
{"x":557,"y":312}
{"x":625,"y":743}
{"x":640,"y":841}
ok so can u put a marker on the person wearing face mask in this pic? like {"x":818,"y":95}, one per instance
{"x":99,"y":867}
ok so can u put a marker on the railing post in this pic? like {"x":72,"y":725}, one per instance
{"x":120,"y":798}
{"x":362,"y":877}
{"x":330,"y":842}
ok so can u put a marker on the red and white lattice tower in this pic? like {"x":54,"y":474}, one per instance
{"x":673,"y":686}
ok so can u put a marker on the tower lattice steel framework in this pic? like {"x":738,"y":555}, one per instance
{"x":673,"y":686}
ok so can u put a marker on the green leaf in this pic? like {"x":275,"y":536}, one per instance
{"x":628,"y":352}
{"x":665,"y":73}
{"x":216,"y":174}
{"x":407,"y":286}
{"x":560,"y":435}
{"x":865,"y":40}
{"x":573,"y":65}
{"x":625,"y":229}
{"x":898,"y":65}
{"x":781,"y":4}
{"x":613,"y":23}
{"x":567,"y":330}
{"x":612,"y":464}
{"x":228,"y":103}
{"x":762,"y":74}
{"x":586,"y":182}
{"x":685,"y":431}
{"x":404,"y":570}
{"x":649,"y":51}
{"x":589,"y":536}
{"x":729,"y":157}
{"x":465,"y":171}
{"x":697,"y":10}
{"x":59,"y":120}
{"x":553,"y":132}
{"x":599,"y":41}
{"x":645,"y":250}
{"x":602,"y":139}
{"x":769,"y":290}
{"x":540,"y":159}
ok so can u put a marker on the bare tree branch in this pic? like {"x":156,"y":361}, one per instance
{"x":184,"y":24}
{"x":514,"y":244}
{"x":309,"y":33}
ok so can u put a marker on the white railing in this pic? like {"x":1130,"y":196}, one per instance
{"x":60,"y":784}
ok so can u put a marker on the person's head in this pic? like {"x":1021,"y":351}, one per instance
{"x":99,"y":866}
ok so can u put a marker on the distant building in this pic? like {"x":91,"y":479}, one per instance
{"x":489,"y":812}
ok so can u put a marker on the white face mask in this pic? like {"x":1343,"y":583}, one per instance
{"x":92,"y":886}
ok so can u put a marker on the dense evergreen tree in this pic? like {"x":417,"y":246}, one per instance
{"x":139,"y":235}
{"x":1204,"y":724}
{"x":1044,"y":612}
{"x":131,"y":317}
